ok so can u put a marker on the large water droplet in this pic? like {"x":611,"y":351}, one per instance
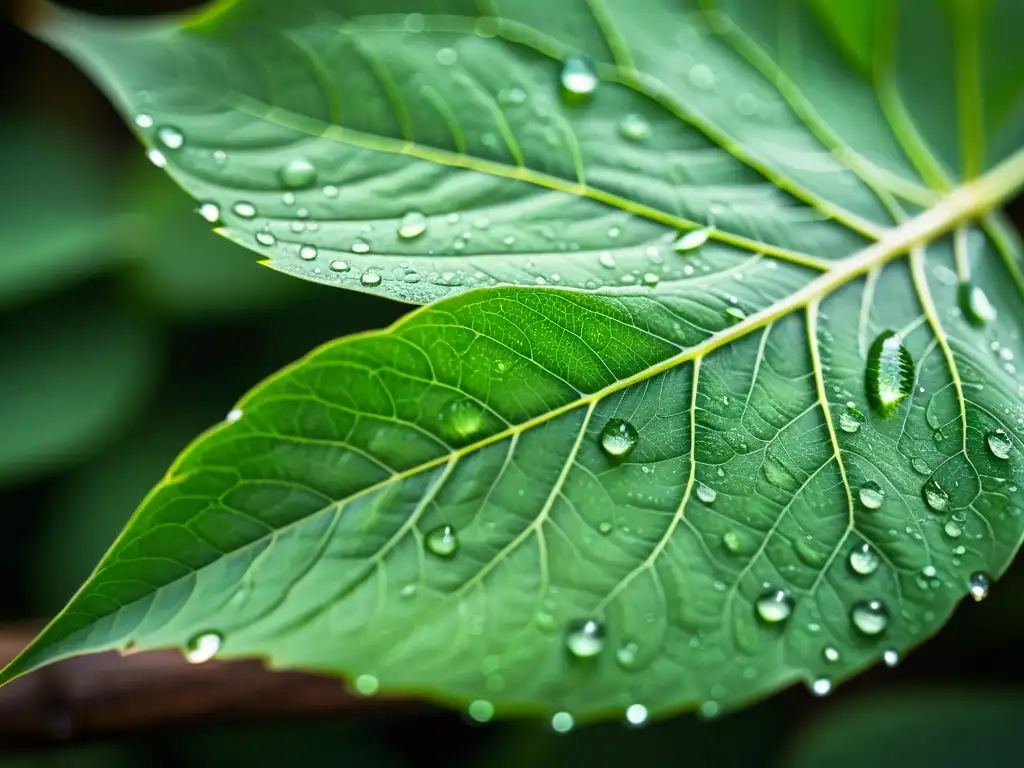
{"x":999,"y":443}
{"x":871,"y":495}
{"x":863,"y":559}
{"x":979,"y":585}
{"x":618,"y":438}
{"x":578,"y":79}
{"x":889,"y":376}
{"x":870,"y":617}
{"x":636,"y":714}
{"x":297,"y":173}
{"x":244,"y":210}
{"x":562,"y":722}
{"x":850,"y":418}
{"x":481,"y":710}
{"x":202,"y":647}
{"x":442,"y":541}
{"x":171,"y":137}
{"x":975,"y":305}
{"x":692,"y":240}
{"x":585,"y":638}
{"x":706,"y":493}
{"x":935,"y":496}
{"x":775,"y":606}
{"x":635,"y":128}
{"x":413,"y":224}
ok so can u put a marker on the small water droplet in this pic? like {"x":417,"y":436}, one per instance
{"x":605,"y":528}
{"x":775,"y":606}
{"x":210,"y":212}
{"x":889,"y":374}
{"x":871,"y":495}
{"x":367,"y":685}
{"x":850,"y":418}
{"x":635,"y":128}
{"x":831,"y":654}
{"x":447,"y":56}
{"x":170,"y":137}
{"x":265,"y":239}
{"x":735,"y":313}
{"x":606,"y":259}
{"x":821,"y":687}
{"x":935,"y":496}
{"x":702,"y":77}
{"x":999,"y":444}
{"x":360,"y":246}
{"x":733,"y":541}
{"x":627,"y":654}
{"x":408,"y":590}
{"x":144,"y":121}
{"x":585,"y":638}
{"x":952,"y":529}
{"x":330,"y":191}
{"x":203,"y":647}
{"x":370,"y":279}
{"x":297,"y":173}
{"x":578,"y":78}
{"x":339,"y":266}
{"x":975,"y":305}
{"x":244,"y":210}
{"x":979,"y":586}
{"x":512,"y":97}
{"x":481,"y":710}
{"x":864,"y":560}
{"x":233,"y":415}
{"x":920,"y":466}
{"x":307,"y":252}
{"x":157,"y":158}
{"x":562,"y":722}
{"x":618,"y":438}
{"x":636,"y":714}
{"x":706,"y":493}
{"x":413,"y":224}
{"x":870,"y":617}
{"x":652,"y":279}
{"x":220,"y":156}
{"x":692,"y":240}
{"x":442,"y":541}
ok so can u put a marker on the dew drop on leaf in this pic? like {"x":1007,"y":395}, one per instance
{"x":370,"y":279}
{"x":606,"y":259}
{"x":775,"y":606}
{"x":702,"y":77}
{"x":210,"y":212}
{"x":706,"y":493}
{"x":891,"y":657}
{"x":265,"y":239}
{"x":585,"y":638}
{"x":692,"y":240}
{"x":413,"y":224}
{"x":605,"y":528}
{"x":481,"y":710}
{"x":735,"y":313}
{"x":999,"y":443}
{"x":889,"y":376}
{"x":952,"y":529}
{"x":935,"y":496}
{"x":850,"y":419}
{"x":142,"y":120}
{"x":579,"y":80}
{"x":360,"y":246}
{"x":979,"y":585}
{"x":367,"y":685}
{"x":652,"y":279}
{"x":202,"y":647}
{"x":636,"y":714}
{"x":562,"y":722}
{"x":338,"y":265}
{"x":461,"y":420}
{"x":618,"y":438}
{"x":635,"y":128}
{"x":442,"y":541}
{"x":821,"y":687}
{"x":871,"y":495}
{"x":627,"y":653}
{"x":975,"y":305}
{"x":870,"y":617}
{"x":171,"y":137}
{"x":297,"y":173}
{"x":864,"y":560}
{"x":831,"y":654}
{"x":157,"y":158}
{"x":233,"y":415}
{"x":307,"y":252}
{"x":732,"y":541}
{"x":244,"y":210}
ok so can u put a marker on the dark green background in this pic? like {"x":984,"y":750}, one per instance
{"x":141,"y":328}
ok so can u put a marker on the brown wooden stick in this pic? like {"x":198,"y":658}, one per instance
{"x":106,"y":694}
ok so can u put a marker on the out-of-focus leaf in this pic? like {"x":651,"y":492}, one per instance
{"x":57,"y":220}
{"x":93,"y":756}
{"x":915,"y":729}
{"x":72,"y":376}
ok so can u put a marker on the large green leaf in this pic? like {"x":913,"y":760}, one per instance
{"x":310,"y":529}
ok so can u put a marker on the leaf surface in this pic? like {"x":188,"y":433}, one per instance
{"x":312,"y":529}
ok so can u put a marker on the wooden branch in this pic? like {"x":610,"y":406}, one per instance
{"x":107,"y":694}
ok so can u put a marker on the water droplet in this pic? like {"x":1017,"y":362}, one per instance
{"x":952,"y":529}
{"x":307,"y":252}
{"x":891,"y":657}
{"x":585,"y":638}
{"x":606,"y":259}
{"x":408,"y":590}
{"x":442,"y":541}
{"x":870,"y":617}
{"x":244,"y":210}
{"x":578,"y":78}
{"x":999,"y":444}
{"x":864,"y":560}
{"x":934,"y":496}
{"x":233,"y":415}
{"x":850,"y":419}
{"x":413,"y":224}
{"x":889,"y":375}
{"x":339,"y":266}
{"x":979,"y":586}
{"x":367,"y":685}
{"x":605,"y":528}
{"x":735,"y":313}
{"x":144,"y":121}
{"x":871,"y":495}
{"x":157,"y":158}
{"x":702,"y":77}
{"x":692,"y":240}
{"x":635,"y":128}
{"x":330,"y":191}
{"x":297,"y":173}
{"x":265,"y":238}
{"x":975,"y":305}
{"x":706,"y":493}
{"x":920,"y":466}
{"x":447,"y":56}
{"x":170,"y":137}
{"x":481,"y":710}
{"x":636,"y":714}
{"x":775,"y":606}
{"x":733,"y":541}
{"x":652,"y":279}
{"x":618,"y":438}
{"x":512,"y":96}
{"x":929,"y":572}
{"x":370,"y":279}
{"x":627,"y":654}
{"x":831,"y":654}
{"x":210,"y":212}
{"x":821,"y":687}
{"x":360,"y":246}
{"x":202,"y":647}
{"x":220,"y":156}
{"x":562,"y":722}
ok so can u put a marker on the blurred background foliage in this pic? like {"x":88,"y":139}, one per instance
{"x":127,"y":327}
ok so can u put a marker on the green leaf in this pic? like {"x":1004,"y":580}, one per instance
{"x":685,"y":494}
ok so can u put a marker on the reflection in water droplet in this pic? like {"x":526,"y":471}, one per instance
{"x":864,"y":560}
{"x":891,"y":657}
{"x":635,"y":128}
{"x":481,"y":710}
{"x":636,"y":714}
{"x":413,"y":224}
{"x":170,"y":137}
{"x":979,"y":586}
{"x":775,"y":606}
{"x":870,"y":617}
{"x":157,"y":158}
{"x":627,"y":654}
{"x":935,"y":496}
{"x":871,"y":495}
{"x":210,"y":212}
{"x":339,"y":265}
{"x":578,"y":78}
{"x":975,"y":305}
{"x":889,"y":375}
{"x":706,"y":493}
{"x":618,"y":438}
{"x":442,"y":541}
{"x":585,"y":638}
{"x":821,"y":687}
{"x":297,"y":173}
{"x":244,"y":210}
{"x":562,"y":722}
{"x":367,"y":685}
{"x":692,"y":240}
{"x":202,"y":647}
{"x":370,"y":279}
{"x":850,"y":418}
{"x":999,"y":443}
